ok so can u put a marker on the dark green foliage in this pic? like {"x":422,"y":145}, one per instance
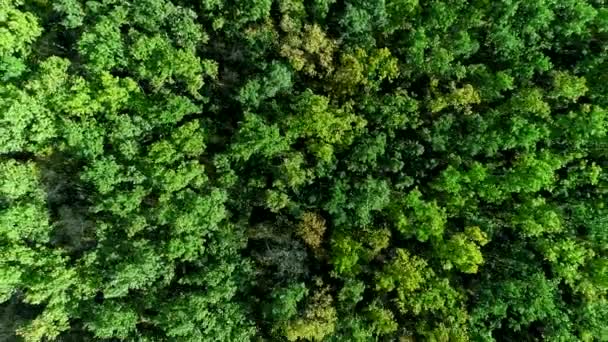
{"x":290,"y":170}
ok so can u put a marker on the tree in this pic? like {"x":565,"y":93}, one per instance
{"x":20,"y":29}
{"x":293,"y":170}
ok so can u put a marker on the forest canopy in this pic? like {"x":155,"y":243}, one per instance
{"x":291,"y":170}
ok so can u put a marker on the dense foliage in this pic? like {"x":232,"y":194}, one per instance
{"x":290,"y":170}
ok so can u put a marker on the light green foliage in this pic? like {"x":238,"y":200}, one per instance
{"x":566,"y":257}
{"x":345,"y":254}
{"x":24,"y":220}
{"x":251,"y":10}
{"x":419,"y":291}
{"x":72,"y":11}
{"x":318,"y":320}
{"x":384,"y":319}
{"x":160,"y":63}
{"x":351,"y":293}
{"x":28,"y":266}
{"x":136,"y":271}
{"x":364,"y":70}
{"x":150,"y":55}
{"x":325,"y":127}
{"x":403,"y":273}
{"x":49,"y":325}
{"x":418,"y":218}
{"x":276,"y":200}
{"x":187,"y":317}
{"x":309,"y":50}
{"x":397,"y":11}
{"x":18,"y":31}
{"x":459,"y":98}
{"x":18,"y":180}
{"x":530,"y":174}
{"x":102,"y":45}
{"x":376,"y":240}
{"x":568,"y":87}
{"x":586,"y":126}
{"x":462,"y":250}
{"x":291,"y":170}
{"x":534,"y":217}
{"x":112,"y":320}
{"x":256,"y":137}
{"x":29,"y":114}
